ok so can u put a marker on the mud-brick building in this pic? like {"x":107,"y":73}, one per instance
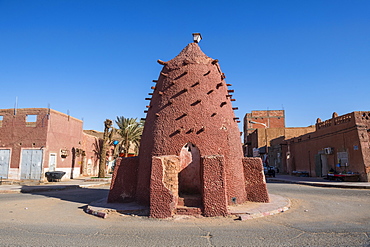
{"x":265,"y":132}
{"x":260,"y":127}
{"x":190,"y":159}
{"x":36,"y":140}
{"x":341,"y":143}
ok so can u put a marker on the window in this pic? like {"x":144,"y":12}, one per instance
{"x":31,"y":120}
{"x":1,"y":121}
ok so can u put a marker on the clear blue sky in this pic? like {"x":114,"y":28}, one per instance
{"x":97,"y":59}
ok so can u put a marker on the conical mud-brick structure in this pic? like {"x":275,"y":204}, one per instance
{"x":190,"y":159}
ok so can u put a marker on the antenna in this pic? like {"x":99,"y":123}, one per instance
{"x":16,"y":105}
{"x":48,"y":110}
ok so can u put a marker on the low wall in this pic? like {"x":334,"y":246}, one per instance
{"x":214,"y":186}
{"x":255,"y":183}
{"x":124,"y":180}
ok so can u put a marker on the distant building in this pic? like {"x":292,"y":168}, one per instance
{"x":260,"y":127}
{"x":36,"y":140}
{"x":264,"y":133}
{"x":339,"y":144}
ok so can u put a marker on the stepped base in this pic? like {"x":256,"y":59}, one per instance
{"x":189,"y":205}
{"x":190,"y":201}
{"x":195,"y":211}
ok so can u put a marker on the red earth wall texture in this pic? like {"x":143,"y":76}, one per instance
{"x":124,"y":179}
{"x":191,"y":104}
{"x":255,"y":180}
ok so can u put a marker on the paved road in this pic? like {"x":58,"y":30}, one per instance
{"x":319,"y":217}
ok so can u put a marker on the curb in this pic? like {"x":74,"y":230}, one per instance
{"x":10,"y":191}
{"x":250,"y":216}
{"x":42,"y":188}
{"x":47,"y":188}
{"x":320,"y":184}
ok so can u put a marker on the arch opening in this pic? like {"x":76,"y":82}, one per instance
{"x":189,"y":177}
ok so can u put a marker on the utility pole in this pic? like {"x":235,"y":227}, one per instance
{"x":103,"y":150}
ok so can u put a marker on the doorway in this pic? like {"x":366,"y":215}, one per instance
{"x":4,"y":162}
{"x":52,"y":162}
{"x":189,"y":177}
{"x":31,"y":165}
{"x":324,"y":165}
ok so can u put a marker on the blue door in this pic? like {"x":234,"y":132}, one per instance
{"x":4,"y":162}
{"x":31,"y":165}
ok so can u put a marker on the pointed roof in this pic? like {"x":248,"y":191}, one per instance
{"x":191,"y":54}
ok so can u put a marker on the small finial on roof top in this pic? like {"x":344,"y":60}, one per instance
{"x":197,"y":37}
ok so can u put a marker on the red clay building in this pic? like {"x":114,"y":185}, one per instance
{"x":260,"y":127}
{"x":36,"y":140}
{"x":340,"y":144}
{"x":265,"y":131}
{"x":190,"y":159}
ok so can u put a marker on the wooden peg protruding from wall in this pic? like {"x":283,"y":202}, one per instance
{"x":161,"y":62}
{"x":219,"y":85}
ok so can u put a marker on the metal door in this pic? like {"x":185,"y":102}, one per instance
{"x":31,"y":165}
{"x":318,"y":165}
{"x":4,"y":162}
{"x":324,"y":165}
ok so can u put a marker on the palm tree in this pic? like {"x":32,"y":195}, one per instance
{"x":130,"y":131}
{"x":103,"y":151}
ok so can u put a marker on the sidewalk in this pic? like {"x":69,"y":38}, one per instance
{"x":246,"y":211}
{"x":29,"y":187}
{"x":320,"y":182}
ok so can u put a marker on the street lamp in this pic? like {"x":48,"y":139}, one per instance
{"x":197,"y":37}
{"x":253,"y":122}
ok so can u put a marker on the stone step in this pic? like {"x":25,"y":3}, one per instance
{"x":188,"y":211}
{"x":190,"y":201}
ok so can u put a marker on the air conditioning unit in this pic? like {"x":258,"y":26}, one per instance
{"x":328,"y":150}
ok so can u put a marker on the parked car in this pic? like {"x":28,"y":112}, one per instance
{"x":270,"y":170}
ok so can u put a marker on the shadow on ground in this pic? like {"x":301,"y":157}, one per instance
{"x":68,"y":192}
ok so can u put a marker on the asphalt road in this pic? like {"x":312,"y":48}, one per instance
{"x":318,"y":217}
